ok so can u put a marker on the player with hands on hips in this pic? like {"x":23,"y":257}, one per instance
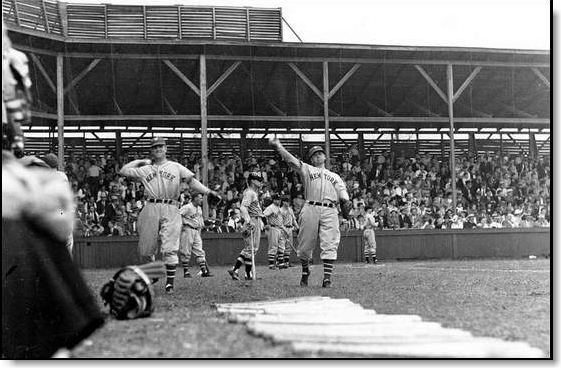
{"x":159,"y":218}
{"x":323,"y":189}
{"x":251,"y":230}
{"x":190,"y":241}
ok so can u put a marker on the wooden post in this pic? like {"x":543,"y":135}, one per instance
{"x":500,"y":146}
{"x":60,"y":110}
{"x":204,"y":138}
{"x":360,"y":145}
{"x":442,"y":155}
{"x":243,"y":144}
{"x":118,"y":144}
{"x":301,"y":147}
{"x":450,"y":77}
{"x":326,"y":111}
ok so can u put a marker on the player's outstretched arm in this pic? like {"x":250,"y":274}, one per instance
{"x":196,"y":185}
{"x":287,"y":156}
{"x":125,"y":170}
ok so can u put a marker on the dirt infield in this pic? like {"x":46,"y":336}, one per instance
{"x":494,"y":298}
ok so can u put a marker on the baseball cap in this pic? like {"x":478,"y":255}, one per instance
{"x":314,"y":150}
{"x":255,"y":176}
{"x":51,"y":159}
{"x":157,"y":141}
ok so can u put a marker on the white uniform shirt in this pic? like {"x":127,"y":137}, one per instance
{"x":288,"y":217}
{"x":161,"y":181}
{"x":274,"y":215}
{"x":370,"y":222}
{"x":192,"y":216}
{"x":322,"y":185}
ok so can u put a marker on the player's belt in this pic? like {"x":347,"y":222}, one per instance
{"x":330,"y":205}
{"x":164,"y":201}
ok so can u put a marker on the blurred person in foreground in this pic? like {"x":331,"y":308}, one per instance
{"x":46,"y":305}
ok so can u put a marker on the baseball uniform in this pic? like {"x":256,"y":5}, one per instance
{"x":369,"y":238}
{"x":250,"y":200}
{"x":160,"y":216}
{"x":190,"y":241}
{"x":288,"y":221}
{"x":275,"y":234}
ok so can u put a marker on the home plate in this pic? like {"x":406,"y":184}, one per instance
{"x":321,"y":324}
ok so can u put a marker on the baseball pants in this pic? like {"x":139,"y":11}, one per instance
{"x":319,"y":221}
{"x":190,"y":242}
{"x":288,"y":240}
{"x":159,"y":221}
{"x":275,"y":238}
{"x":369,"y":243}
{"x":253,"y":240}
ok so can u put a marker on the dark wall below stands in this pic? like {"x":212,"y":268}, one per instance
{"x":222,"y":249}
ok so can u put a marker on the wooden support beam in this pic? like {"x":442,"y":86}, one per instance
{"x":168,"y":105}
{"x":516,"y":111}
{"x":432,"y":83}
{"x":543,"y":144}
{"x":47,"y":27}
{"x":516,"y":142}
{"x":16,"y":13}
{"x":226,"y":109}
{"x":542,"y":77}
{"x":466,"y":83}
{"x":60,"y":110}
{"x":375,"y":107}
{"x":137,"y":139}
{"x":80,"y":76}
{"x":204,"y":121}
{"x":325,"y":99}
{"x":342,"y":140}
{"x":306,"y":80}
{"x":48,"y":79}
{"x":423,"y":109}
{"x":183,"y":77}
{"x":450,"y":78}
{"x":223,"y":77}
{"x":343,"y":80}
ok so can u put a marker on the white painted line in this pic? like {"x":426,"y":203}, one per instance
{"x":272,"y":302}
{"x":460,"y":336}
{"x":336,"y":319}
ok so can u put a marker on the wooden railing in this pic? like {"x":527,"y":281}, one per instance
{"x":109,"y":21}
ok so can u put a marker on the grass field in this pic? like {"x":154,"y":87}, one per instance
{"x":507,"y":299}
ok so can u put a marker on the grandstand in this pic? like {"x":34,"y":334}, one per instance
{"x":218,"y":80}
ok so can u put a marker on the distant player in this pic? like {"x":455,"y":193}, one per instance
{"x":160,"y":218}
{"x":319,"y":216}
{"x":190,"y":241}
{"x":289,"y":224}
{"x":276,"y":245}
{"x":369,"y":236}
{"x":251,"y":214}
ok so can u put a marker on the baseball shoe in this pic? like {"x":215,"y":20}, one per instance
{"x":326,"y":283}
{"x":233,"y":274}
{"x":207,"y":274}
{"x":272,"y":267}
{"x":248,"y":278}
{"x":169,"y":289}
{"x":186,"y":274}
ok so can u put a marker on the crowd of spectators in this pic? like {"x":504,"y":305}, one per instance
{"x":403,"y":192}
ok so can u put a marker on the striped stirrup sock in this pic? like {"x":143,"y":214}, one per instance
{"x":170,"y":273}
{"x":327,"y":268}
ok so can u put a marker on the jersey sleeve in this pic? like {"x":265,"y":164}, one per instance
{"x":183,"y":210}
{"x":137,"y":172}
{"x":248,"y":198}
{"x":341,"y":188}
{"x":268,"y":211}
{"x":185,"y":173}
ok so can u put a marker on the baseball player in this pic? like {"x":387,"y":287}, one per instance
{"x":319,"y":216}
{"x":160,"y":218}
{"x":275,"y":234}
{"x":289,"y":223}
{"x":251,"y":214}
{"x":369,"y":236}
{"x":190,"y":239}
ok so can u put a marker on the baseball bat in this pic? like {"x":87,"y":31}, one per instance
{"x":254,"y":277}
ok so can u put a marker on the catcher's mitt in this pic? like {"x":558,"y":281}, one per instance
{"x":129,"y":293}
{"x":247,"y":229}
{"x":346,"y":208}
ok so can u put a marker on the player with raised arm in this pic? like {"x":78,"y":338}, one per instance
{"x":160,"y":218}
{"x":251,"y":230}
{"x":323,"y":189}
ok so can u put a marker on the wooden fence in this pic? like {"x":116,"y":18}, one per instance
{"x":222,"y":249}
